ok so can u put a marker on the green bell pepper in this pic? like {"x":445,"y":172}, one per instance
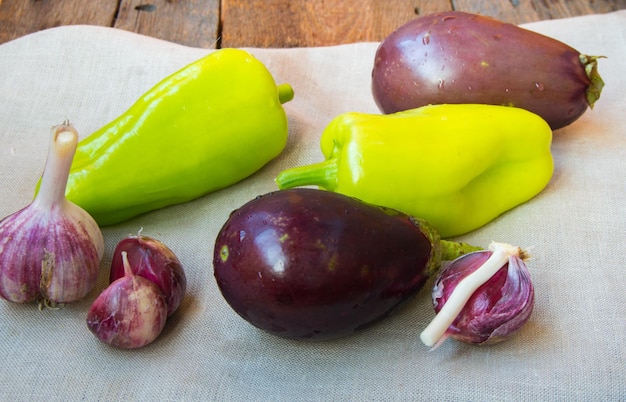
{"x":456,"y":166}
{"x":203,"y":128}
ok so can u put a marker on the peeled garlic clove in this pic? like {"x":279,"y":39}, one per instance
{"x":52,"y":248}
{"x":153,"y":260}
{"x":483,"y":297}
{"x":130,"y":313}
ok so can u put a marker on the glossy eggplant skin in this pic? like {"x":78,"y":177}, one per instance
{"x":457,"y":57}
{"x":312,"y":264}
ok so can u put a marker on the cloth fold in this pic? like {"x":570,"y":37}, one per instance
{"x":573,"y":348}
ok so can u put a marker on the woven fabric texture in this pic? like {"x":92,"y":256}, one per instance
{"x":573,"y":348}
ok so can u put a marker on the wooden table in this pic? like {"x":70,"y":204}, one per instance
{"x":269,"y":23}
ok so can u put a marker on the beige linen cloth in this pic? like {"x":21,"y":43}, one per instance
{"x":573,"y":348}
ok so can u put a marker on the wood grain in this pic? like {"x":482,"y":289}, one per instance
{"x":521,"y":11}
{"x":269,"y":23}
{"x":21,"y":17}
{"x":284,"y":23}
{"x":191,"y":22}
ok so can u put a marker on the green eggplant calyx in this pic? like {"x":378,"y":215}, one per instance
{"x":323,"y":174}
{"x":596,"y":85}
{"x":451,"y":250}
{"x":442,"y":250}
{"x":285,"y":93}
{"x":432,"y":235}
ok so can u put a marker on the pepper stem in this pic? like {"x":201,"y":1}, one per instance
{"x":322,"y":174}
{"x":285,"y":93}
{"x":596,"y":85}
{"x":432,"y":335}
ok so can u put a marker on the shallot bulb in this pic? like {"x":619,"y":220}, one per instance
{"x":482,"y":297}
{"x":51,"y":249}
{"x":130,"y":313}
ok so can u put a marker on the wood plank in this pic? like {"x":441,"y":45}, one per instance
{"x":19,"y":17}
{"x":270,"y":23}
{"x":191,"y":22}
{"x":285,"y":23}
{"x":522,"y":11}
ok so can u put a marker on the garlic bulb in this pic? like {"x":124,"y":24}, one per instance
{"x":482,"y":297}
{"x":51,"y":249}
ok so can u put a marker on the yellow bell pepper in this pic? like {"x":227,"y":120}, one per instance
{"x":456,"y":166}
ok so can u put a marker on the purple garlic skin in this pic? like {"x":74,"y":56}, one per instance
{"x":50,"y":260}
{"x":51,"y":249}
{"x":497,"y":310}
{"x":130,"y":313}
{"x":153,"y":260}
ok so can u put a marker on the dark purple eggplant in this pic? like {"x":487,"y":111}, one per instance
{"x":307,"y":263}
{"x":457,"y":57}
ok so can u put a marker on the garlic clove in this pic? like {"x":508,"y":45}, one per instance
{"x":51,"y":249}
{"x":71,"y":272}
{"x":20,"y":268}
{"x":153,"y":260}
{"x":130,"y":313}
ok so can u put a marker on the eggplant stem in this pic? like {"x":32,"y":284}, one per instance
{"x":596,"y":83}
{"x":451,"y":250}
{"x":431,"y":336}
